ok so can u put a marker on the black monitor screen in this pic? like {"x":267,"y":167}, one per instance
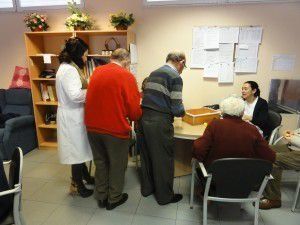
{"x":285,"y":93}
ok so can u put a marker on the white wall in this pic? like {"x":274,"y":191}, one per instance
{"x":162,"y":29}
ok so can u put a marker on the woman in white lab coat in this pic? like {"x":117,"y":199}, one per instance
{"x":71,"y":85}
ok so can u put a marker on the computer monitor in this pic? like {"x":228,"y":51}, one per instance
{"x":285,"y":94}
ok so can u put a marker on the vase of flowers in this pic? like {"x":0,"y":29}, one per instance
{"x":121,"y":21}
{"x":36,"y":22}
{"x":78,"y":20}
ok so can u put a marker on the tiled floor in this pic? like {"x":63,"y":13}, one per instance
{"x":46,"y":201}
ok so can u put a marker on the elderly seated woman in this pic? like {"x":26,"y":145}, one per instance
{"x":231,"y":137}
{"x":287,"y":158}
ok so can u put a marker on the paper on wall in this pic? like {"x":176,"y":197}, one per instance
{"x":211,"y":67}
{"x":133,"y":53}
{"x":46,"y":57}
{"x":246,"y":65}
{"x":226,"y":52}
{"x":198,"y":57}
{"x":283,"y":62}
{"x":250,"y":35}
{"x":226,"y":72}
{"x":133,"y":69}
{"x":198,"y":37}
{"x":249,"y":50}
{"x":229,"y":34}
{"x":212,"y":38}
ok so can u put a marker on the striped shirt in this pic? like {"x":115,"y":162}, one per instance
{"x":163,"y":91}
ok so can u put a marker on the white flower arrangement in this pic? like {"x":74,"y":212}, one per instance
{"x":78,"y":20}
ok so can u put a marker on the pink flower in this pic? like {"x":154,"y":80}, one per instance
{"x":42,"y":20}
{"x":34,"y":20}
{"x":40,"y":26}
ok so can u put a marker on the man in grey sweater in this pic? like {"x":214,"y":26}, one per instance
{"x":162,"y":101}
{"x":287,"y":157}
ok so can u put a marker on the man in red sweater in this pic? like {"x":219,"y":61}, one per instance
{"x":112,"y":100}
{"x":231,"y":137}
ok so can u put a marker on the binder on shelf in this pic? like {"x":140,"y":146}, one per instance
{"x":52,"y":93}
{"x":44,"y":93}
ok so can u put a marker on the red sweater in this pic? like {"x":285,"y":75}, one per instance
{"x":231,"y":137}
{"x":112,"y":99}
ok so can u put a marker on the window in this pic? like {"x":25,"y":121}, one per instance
{"x":21,"y":5}
{"x":43,"y":3}
{"x":7,"y":5}
{"x":212,"y":2}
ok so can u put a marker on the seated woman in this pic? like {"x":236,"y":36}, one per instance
{"x":287,"y":157}
{"x":256,"y":108}
{"x":231,"y":137}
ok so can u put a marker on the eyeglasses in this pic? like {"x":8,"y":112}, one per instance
{"x":184,"y":65}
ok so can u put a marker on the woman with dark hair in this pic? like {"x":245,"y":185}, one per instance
{"x":71,"y":86}
{"x":256,"y":108}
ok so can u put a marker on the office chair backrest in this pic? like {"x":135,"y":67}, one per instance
{"x":237,"y":177}
{"x":15,"y":170}
{"x":274,"y":120}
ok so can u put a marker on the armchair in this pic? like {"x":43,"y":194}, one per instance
{"x":18,"y":131}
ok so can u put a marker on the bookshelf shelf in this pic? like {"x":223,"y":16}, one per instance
{"x":46,"y":103}
{"x":51,"y":42}
{"x":43,"y":79}
{"x":98,"y":55}
{"x":48,"y":126}
{"x":48,"y":144}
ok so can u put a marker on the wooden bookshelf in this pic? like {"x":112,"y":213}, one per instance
{"x":51,"y":42}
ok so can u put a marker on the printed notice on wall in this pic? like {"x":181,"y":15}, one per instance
{"x":198,"y":57}
{"x":226,"y":72}
{"x":250,"y":35}
{"x":133,"y":54}
{"x":283,"y":62}
{"x":246,"y":65}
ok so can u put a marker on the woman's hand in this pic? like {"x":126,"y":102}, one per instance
{"x":288,"y":135}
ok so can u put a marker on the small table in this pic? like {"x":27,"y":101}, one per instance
{"x":184,"y":135}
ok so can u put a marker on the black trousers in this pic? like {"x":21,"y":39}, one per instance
{"x":79,"y":172}
{"x":157,"y":155}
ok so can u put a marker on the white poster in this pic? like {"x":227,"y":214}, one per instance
{"x":198,"y":57}
{"x":229,"y":34}
{"x":198,"y":37}
{"x":226,"y":72}
{"x":250,"y":35}
{"x":246,"y":65}
{"x":283,"y":62}
{"x":249,"y":50}
{"x":133,"y":53}
{"x":212,"y":38}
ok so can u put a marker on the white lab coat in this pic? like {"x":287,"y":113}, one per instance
{"x":73,"y":144}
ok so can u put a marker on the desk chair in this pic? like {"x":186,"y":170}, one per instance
{"x":274,"y":124}
{"x":15,"y":183}
{"x":234,"y":179}
{"x":298,"y":185}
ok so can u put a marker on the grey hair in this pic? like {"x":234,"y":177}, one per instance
{"x":233,"y":106}
{"x":120,"y":54}
{"x":175,"y":57}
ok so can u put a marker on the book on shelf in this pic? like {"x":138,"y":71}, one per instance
{"x":48,"y":93}
{"x":94,"y":62}
{"x":52,"y":93}
{"x":44,"y":92}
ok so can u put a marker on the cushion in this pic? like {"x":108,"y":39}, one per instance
{"x":20,"y":78}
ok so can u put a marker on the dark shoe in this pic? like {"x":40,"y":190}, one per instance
{"x":111,"y":206}
{"x":146,"y":194}
{"x":265,"y":203}
{"x":102,"y":204}
{"x":82,"y":190}
{"x":176,"y":198}
{"x":89,"y":180}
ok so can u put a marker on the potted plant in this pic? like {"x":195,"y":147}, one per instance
{"x":78,"y":20}
{"x":36,"y":22}
{"x":121,"y":21}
